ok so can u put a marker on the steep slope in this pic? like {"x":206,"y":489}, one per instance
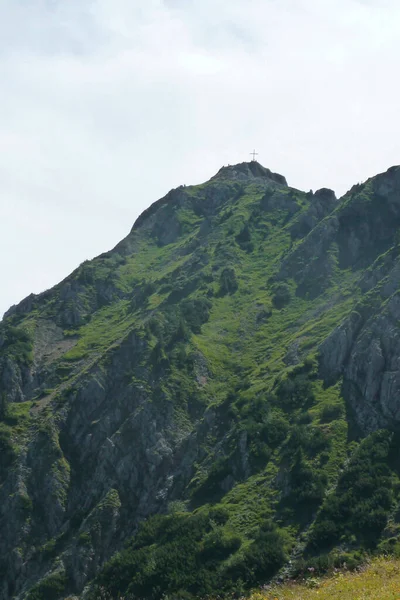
{"x":217,"y":393}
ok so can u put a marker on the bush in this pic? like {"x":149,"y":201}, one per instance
{"x":18,"y":344}
{"x":363,"y":498}
{"x":331,"y":412}
{"x":265,"y":430}
{"x":244,"y":239}
{"x":262,"y":559}
{"x":218,"y":545}
{"x":259,"y":454}
{"x":7,"y":452}
{"x":307,"y":484}
{"x":196,"y":312}
{"x":172,"y":553}
{"x":295,"y":392}
{"x":3,"y":406}
{"x":282,"y":295}
{"x":141,"y":294}
{"x":210,"y":489}
{"x":228,"y":282}
{"x":311,"y":440}
{"x":274,"y":431}
{"x":51,"y":588}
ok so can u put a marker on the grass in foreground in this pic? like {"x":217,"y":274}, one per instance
{"x":380,"y":580}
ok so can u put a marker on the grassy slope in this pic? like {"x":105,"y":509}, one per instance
{"x":380,"y":580}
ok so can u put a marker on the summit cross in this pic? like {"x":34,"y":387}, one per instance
{"x":254,"y":154}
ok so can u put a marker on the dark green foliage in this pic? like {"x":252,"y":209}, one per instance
{"x":218,"y":546}
{"x":228,"y":282}
{"x":259,"y":454}
{"x":158,"y":356}
{"x":210,"y":489}
{"x":182,"y":290}
{"x":281,"y":295}
{"x":312,"y":440}
{"x":244,"y":239}
{"x":262,"y":559}
{"x":7,"y":452}
{"x":295,"y":391}
{"x":364,"y":495}
{"x":85,"y":539}
{"x":304,"y":454}
{"x":305,"y":418}
{"x":51,"y":588}
{"x":331,"y":412}
{"x":3,"y":405}
{"x":185,"y":554}
{"x":141,"y":294}
{"x":274,"y":431}
{"x":172,"y":553}
{"x":181,"y":333}
{"x":307,"y":485}
{"x":265,"y":431}
{"x":185,"y":283}
{"x":170,"y":329}
{"x":17,"y":344}
{"x":196,"y":312}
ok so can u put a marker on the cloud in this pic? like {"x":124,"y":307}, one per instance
{"x":105,"y":105}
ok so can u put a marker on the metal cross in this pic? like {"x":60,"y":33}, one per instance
{"x":254,"y":154}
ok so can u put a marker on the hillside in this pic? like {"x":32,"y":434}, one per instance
{"x":212,"y":403}
{"x":379,"y":580}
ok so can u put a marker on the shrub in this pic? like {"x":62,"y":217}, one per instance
{"x":210,"y":488}
{"x":363,"y":497}
{"x":7,"y":452}
{"x":282,"y":295}
{"x":262,"y":559}
{"x":228,"y":282}
{"x":307,"y":484}
{"x":331,"y":412}
{"x":173,"y":553}
{"x":274,"y":431}
{"x":218,"y":545}
{"x":50,"y":588}
{"x":3,"y":406}
{"x":259,"y":454}
{"x":196,"y":312}
{"x":18,"y":344}
{"x":244,"y":239}
{"x":295,"y":392}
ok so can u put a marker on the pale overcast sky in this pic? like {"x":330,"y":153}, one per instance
{"x":105,"y":105}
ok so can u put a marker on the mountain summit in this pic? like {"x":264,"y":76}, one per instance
{"x":249,"y":170}
{"x":212,"y":403}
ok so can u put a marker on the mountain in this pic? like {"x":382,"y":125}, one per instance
{"x":212,"y":403}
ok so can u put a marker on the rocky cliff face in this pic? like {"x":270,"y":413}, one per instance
{"x":224,"y":354}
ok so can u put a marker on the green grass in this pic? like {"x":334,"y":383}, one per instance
{"x":108,"y":326}
{"x":378,"y":580}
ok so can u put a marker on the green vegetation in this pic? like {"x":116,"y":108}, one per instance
{"x":196,"y":345}
{"x":358,"y":510}
{"x":13,"y":429}
{"x":378,"y":580}
{"x":192,"y":554}
{"x":50,"y":588}
{"x":17,"y":343}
